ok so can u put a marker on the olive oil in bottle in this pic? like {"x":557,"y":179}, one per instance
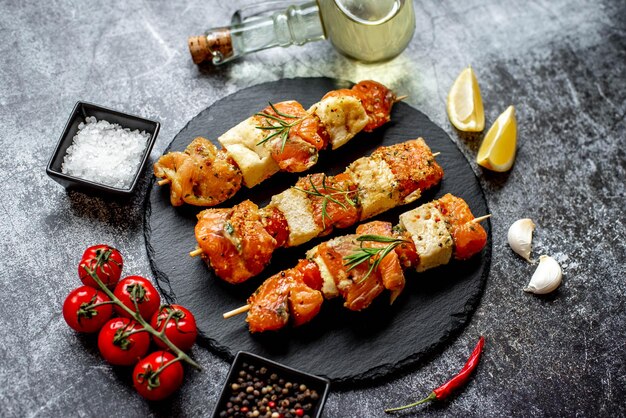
{"x":367,"y":30}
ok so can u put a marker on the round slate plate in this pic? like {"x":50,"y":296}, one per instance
{"x":347,"y":347}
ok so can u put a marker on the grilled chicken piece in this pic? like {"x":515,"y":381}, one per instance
{"x":288,"y":294}
{"x":389,"y":267}
{"x":200,"y":176}
{"x":234,"y":241}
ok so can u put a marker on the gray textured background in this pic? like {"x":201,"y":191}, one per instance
{"x":561,"y":63}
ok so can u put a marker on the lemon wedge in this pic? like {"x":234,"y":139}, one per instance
{"x":497,"y":152}
{"x":464,"y":105}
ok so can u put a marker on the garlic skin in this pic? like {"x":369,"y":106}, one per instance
{"x":546,"y":278}
{"x":520,"y":237}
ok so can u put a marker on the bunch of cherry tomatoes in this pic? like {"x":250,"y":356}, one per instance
{"x":129,"y":317}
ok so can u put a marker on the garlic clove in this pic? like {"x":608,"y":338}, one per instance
{"x":520,"y":237}
{"x":546,"y":278}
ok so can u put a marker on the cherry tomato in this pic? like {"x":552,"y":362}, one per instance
{"x":180,"y":326}
{"x":156,"y":377}
{"x":122,"y":342}
{"x":103,"y":260}
{"x":137,"y":288}
{"x":81,"y":314}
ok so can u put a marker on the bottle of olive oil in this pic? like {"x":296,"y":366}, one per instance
{"x":367,"y":30}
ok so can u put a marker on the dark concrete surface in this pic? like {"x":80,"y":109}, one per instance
{"x":561,"y":63}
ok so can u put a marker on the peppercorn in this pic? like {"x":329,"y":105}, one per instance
{"x":264,"y":393}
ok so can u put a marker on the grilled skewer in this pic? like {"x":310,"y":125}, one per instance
{"x":360,"y":267}
{"x":282,"y":137}
{"x":238,"y":243}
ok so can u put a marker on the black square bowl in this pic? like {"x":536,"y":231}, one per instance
{"x":81,"y":111}
{"x":243,"y":360}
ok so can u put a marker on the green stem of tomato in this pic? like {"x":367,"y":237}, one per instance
{"x":163,"y":366}
{"x":170,"y":314}
{"x":137,"y":317}
{"x":95,"y":305}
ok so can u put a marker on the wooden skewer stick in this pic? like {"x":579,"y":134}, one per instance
{"x":163,"y":182}
{"x":196,"y":252}
{"x":400,"y":98}
{"x":237,"y":311}
{"x":482,"y":218}
{"x":436,"y":154}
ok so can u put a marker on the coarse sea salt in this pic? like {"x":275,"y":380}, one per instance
{"x":105,"y":153}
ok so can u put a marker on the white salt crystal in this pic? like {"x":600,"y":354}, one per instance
{"x":105,"y":153}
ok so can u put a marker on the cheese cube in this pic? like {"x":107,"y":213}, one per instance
{"x":377,"y":186}
{"x":329,"y":289}
{"x":432,"y":239}
{"x":342,"y":116}
{"x":254,"y":160}
{"x":298,"y":211}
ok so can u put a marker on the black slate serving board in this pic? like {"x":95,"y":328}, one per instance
{"x":347,"y":347}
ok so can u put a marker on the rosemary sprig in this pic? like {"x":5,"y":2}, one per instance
{"x":367,"y":254}
{"x":328,"y":197}
{"x":281,"y":128}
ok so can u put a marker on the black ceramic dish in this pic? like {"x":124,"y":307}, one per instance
{"x":81,"y":111}
{"x":312,"y":382}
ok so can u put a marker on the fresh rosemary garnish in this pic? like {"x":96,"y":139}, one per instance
{"x":328,"y":197}
{"x":282,"y":128}
{"x":367,"y":254}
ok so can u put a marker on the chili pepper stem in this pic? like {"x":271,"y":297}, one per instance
{"x":137,"y":317}
{"x":429,"y":398}
{"x":459,"y":380}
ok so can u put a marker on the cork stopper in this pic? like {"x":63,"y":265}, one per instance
{"x":215,"y":46}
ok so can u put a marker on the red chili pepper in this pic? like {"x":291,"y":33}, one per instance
{"x":456,"y":382}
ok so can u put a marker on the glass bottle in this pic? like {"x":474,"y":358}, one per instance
{"x":367,"y":30}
